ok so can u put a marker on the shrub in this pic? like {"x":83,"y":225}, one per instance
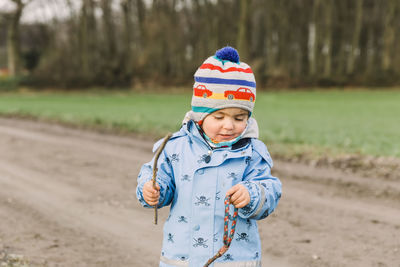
{"x":9,"y":83}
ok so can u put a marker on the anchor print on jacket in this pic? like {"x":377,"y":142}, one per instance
{"x":202,"y":200}
{"x":174,"y":157}
{"x":185,"y":177}
{"x":170,"y":238}
{"x":248,"y":223}
{"x":243,"y":236}
{"x":248,"y":160}
{"x":215,"y":237}
{"x":255,"y":256}
{"x":200,"y":242}
{"x":260,"y":171}
{"x":228,"y":257}
{"x":182,"y":219}
{"x":233,"y":176}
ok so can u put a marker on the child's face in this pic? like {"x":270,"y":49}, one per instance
{"x":225,"y":124}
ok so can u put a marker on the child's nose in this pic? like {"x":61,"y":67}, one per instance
{"x":228,"y":124}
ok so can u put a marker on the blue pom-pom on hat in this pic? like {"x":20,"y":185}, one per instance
{"x":228,"y":53}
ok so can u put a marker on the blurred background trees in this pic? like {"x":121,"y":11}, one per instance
{"x":288,"y":43}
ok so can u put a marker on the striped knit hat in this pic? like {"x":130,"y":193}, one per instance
{"x":222,"y":82}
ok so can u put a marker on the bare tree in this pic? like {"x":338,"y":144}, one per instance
{"x":389,"y":33}
{"x":13,"y":40}
{"x":314,"y":38}
{"x":243,"y":34}
{"x":87,"y":38}
{"x":355,"y":50}
{"x":327,"y":46}
{"x":287,"y":42}
{"x":127,"y":13}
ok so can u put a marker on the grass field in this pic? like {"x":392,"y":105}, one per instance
{"x":364,"y":122}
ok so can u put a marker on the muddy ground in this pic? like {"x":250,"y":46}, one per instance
{"x":67,"y":198}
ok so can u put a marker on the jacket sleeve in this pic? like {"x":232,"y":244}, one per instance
{"x":264,"y":189}
{"x":164,"y":177}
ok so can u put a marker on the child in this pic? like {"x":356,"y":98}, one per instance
{"x":215,"y":153}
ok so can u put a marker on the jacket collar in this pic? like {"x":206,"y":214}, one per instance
{"x":250,"y":132}
{"x":192,"y":131}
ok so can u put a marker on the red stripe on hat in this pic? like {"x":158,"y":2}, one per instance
{"x":231,"y":69}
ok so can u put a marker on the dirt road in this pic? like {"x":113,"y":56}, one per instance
{"x":67,"y":199}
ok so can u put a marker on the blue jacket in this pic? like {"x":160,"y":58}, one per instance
{"x":194,"y":179}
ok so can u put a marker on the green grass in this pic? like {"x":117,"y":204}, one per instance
{"x":335,"y":122}
{"x":366,"y":122}
{"x":141,"y":113}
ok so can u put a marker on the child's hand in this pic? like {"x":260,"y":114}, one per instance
{"x":150,"y":194}
{"x":240,"y":196}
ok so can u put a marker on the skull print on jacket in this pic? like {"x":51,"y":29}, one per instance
{"x":194,"y":232}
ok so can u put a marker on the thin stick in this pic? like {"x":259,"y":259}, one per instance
{"x":160,"y":149}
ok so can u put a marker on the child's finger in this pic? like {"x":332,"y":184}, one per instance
{"x":232,"y":190}
{"x":151,"y":200}
{"x":153,"y":197}
{"x":154,"y":192}
{"x":240,"y":204}
{"x":238,"y":200}
{"x":149,"y":192}
{"x":149,"y":188}
{"x":157,"y":187}
{"x":236,"y":197}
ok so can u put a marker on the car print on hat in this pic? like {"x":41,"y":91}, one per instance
{"x":241,"y":93}
{"x":201,"y":91}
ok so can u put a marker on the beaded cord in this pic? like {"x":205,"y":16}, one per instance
{"x":227,"y":239}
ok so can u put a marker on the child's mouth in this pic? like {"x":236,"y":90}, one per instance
{"x":226,"y":137}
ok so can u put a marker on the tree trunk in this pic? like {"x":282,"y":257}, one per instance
{"x":110,"y":61}
{"x":327,"y":49}
{"x":313,"y":36}
{"x":242,"y":39}
{"x":141,"y":17}
{"x":355,"y":50}
{"x":13,"y":41}
{"x":87,"y":38}
{"x":109,"y":30}
{"x":126,"y":7}
{"x":83,"y":39}
{"x":271,"y":39}
{"x":389,"y":34}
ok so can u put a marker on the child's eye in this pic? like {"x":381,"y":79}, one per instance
{"x":239,"y":119}
{"x":218,"y":118}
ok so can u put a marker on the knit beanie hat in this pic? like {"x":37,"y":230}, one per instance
{"x":222,"y":81}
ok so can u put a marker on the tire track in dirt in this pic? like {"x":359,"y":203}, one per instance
{"x":67,"y":199}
